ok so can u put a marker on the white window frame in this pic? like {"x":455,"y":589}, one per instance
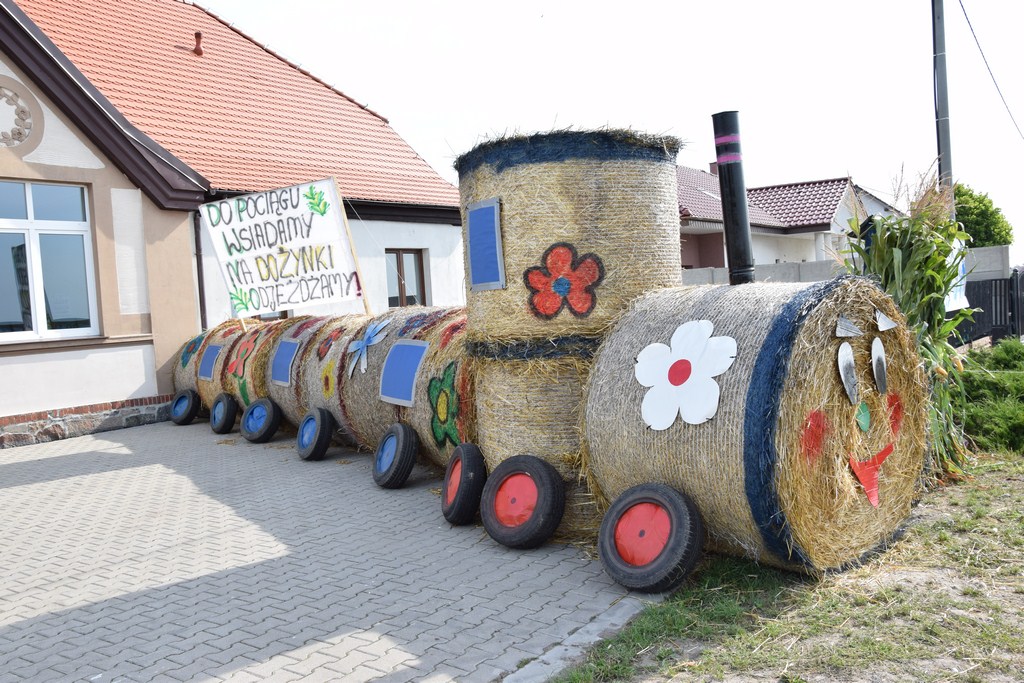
{"x":32,"y":229}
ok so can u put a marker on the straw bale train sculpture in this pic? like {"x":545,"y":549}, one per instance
{"x":583,"y":392}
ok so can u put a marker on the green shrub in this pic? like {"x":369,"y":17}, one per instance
{"x":1008,"y":354}
{"x":984,"y":385}
{"x":996,"y":425}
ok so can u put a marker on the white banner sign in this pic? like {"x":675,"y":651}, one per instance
{"x":283,"y":249}
{"x":957,"y":297}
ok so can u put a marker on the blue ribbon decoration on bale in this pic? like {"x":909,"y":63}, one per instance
{"x":374,"y":333}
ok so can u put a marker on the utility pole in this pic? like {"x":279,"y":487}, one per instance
{"x":941,"y":96}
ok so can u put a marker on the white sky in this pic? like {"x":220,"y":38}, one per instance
{"x":824,"y":89}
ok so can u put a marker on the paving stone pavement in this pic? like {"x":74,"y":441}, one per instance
{"x":167,"y":553}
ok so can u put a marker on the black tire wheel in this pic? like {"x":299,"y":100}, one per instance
{"x":315,"y":432}
{"x":651,"y":538}
{"x":463,"y":485}
{"x":260,"y":421}
{"x":223,"y":413}
{"x":523,"y":502}
{"x":185,"y":407}
{"x":395,"y":456}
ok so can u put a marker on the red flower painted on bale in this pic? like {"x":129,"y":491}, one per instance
{"x":565,"y":279}
{"x":325,"y":346}
{"x":246,"y":347}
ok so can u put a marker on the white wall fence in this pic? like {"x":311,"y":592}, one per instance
{"x":985,"y":263}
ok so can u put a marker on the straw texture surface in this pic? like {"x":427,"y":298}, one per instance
{"x":321,"y":374}
{"x":444,"y":410}
{"x":187,"y":363}
{"x":225,"y":335}
{"x":581,"y":236}
{"x":531,"y":407}
{"x":299,"y":330}
{"x":831,"y":518}
{"x":739,"y":466}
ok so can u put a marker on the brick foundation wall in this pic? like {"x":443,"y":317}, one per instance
{"x":62,"y":423}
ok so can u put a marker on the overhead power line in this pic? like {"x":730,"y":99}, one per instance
{"x":991,"y":75}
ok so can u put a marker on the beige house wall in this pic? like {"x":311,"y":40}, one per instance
{"x":163,"y":309}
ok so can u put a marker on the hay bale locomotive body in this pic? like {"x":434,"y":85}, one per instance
{"x":583,"y":392}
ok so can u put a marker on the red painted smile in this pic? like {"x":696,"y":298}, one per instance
{"x":867,"y":472}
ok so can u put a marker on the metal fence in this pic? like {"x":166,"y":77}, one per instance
{"x":1001,"y":303}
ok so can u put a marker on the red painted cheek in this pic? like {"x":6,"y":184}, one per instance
{"x":895,"y":413}
{"x":812,"y":437}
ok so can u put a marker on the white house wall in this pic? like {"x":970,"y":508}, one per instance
{"x":60,"y":146}
{"x":130,"y":251}
{"x":776,"y":249}
{"x":76,"y":377}
{"x":443,"y":263}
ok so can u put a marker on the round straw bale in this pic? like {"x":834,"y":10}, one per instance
{"x":582,"y":518}
{"x":443,"y":412}
{"x":224,"y":336}
{"x":299,"y":331}
{"x":319,"y":375}
{"x":589,"y":220}
{"x":783,"y":470}
{"x":245,"y":375}
{"x":369,"y":416}
{"x":531,"y":407}
{"x":186,"y":363}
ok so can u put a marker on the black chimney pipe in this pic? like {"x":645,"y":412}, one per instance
{"x":734,"y":197}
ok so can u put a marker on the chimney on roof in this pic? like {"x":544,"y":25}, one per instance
{"x":713,"y":167}
{"x":199,"y":47}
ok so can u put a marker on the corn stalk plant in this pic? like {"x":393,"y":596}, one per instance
{"x":916,"y":261}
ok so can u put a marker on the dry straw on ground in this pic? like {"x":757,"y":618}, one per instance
{"x":621,"y":209}
{"x":779,"y":500}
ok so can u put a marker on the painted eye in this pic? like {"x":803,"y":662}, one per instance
{"x":847,"y":371}
{"x":878,"y":364}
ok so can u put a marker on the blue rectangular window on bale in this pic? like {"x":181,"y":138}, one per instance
{"x":207,"y":362}
{"x":401,"y":367}
{"x":281,"y":367}
{"x":486,"y":258}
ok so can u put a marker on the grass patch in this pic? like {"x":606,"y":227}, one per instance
{"x":947,"y":601}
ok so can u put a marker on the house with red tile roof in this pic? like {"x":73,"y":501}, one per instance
{"x":117,"y":121}
{"x":791,"y":223}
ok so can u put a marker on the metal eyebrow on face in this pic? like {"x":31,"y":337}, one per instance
{"x":847,"y":370}
{"x":878,"y":363}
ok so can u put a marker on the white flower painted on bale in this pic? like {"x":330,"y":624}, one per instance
{"x":680,"y":377}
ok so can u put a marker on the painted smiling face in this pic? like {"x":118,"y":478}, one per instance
{"x":881,"y":425}
{"x":851,"y":431}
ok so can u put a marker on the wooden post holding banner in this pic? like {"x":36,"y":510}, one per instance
{"x":284,"y":249}
{"x":352,"y":246}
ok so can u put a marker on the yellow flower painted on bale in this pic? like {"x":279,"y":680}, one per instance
{"x":442,"y":407}
{"x":445,"y":404}
{"x":329,"y":379}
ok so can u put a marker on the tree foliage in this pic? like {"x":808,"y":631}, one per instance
{"x":982,"y":219}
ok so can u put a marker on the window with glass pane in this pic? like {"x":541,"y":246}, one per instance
{"x":15,"y":306}
{"x":47,"y":287}
{"x":405,"y":277}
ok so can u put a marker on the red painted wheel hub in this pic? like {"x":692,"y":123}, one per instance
{"x":452,"y":485}
{"x":641,"y":533}
{"x":515,"y":499}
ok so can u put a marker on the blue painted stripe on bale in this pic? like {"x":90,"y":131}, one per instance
{"x":762,"y":413}
{"x":611,"y":145}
